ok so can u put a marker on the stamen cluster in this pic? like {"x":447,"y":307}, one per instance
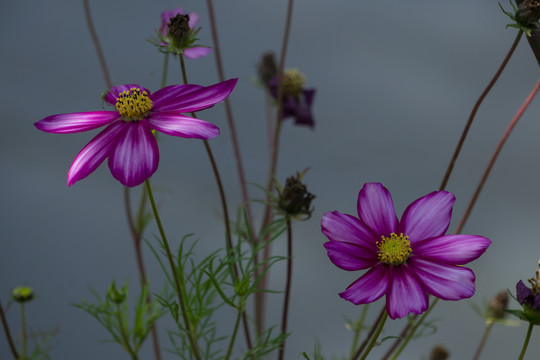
{"x":394,"y":250}
{"x":133,"y":104}
{"x":293,"y":82}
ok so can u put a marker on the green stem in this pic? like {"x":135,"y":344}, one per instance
{"x":483,"y":340}
{"x":236,"y":326}
{"x":526,"y":343}
{"x":179,"y":281}
{"x":370,"y":334}
{"x":285,"y":314}
{"x":414,"y":328}
{"x":375,"y":337}
{"x":358,"y":328}
{"x":24,"y":334}
{"x":123,"y":333}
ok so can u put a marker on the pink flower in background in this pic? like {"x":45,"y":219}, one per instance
{"x":186,"y":44}
{"x":127,"y":140}
{"x":407,"y":259}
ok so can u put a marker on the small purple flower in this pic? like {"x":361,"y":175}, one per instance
{"x":186,"y":46}
{"x":407,"y":259}
{"x":127,"y":140}
{"x":526,"y":296}
{"x":297,"y":100}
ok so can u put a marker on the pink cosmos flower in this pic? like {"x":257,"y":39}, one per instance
{"x":191,"y":52}
{"x":407,"y":259}
{"x":127,"y":140}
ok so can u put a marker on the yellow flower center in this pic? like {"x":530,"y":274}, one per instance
{"x":395,"y":249}
{"x":133,"y":104}
{"x":293,"y":82}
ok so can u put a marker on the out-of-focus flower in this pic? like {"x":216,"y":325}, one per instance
{"x":127,"y":140}
{"x":439,"y":352}
{"x":179,"y":35}
{"x":408,"y":259}
{"x":297,"y":100}
{"x":22,"y":294}
{"x":529,"y":298}
{"x":267,"y":68}
{"x":294,"y":199}
{"x":496,"y":308}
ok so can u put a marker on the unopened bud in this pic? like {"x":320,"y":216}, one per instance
{"x":498,"y":305}
{"x":439,"y":352}
{"x":295,"y":199}
{"x":22,"y":294}
{"x":116,"y":296}
{"x":179,"y":30}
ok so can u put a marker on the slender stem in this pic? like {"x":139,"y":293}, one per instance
{"x":375,"y":337}
{"x":483,"y":341}
{"x":123,"y":334}
{"x":178,"y":277}
{"x":370,"y":334}
{"x":267,"y":218}
{"x":526,"y":343}
{"x":230,"y":118}
{"x":285,"y":314}
{"x":235,"y":329}
{"x":165,"y":70}
{"x":225,"y":208}
{"x":475,"y":109}
{"x":97,"y":45}
{"x":496,"y":154}
{"x":8,"y":333}
{"x":24,"y":334}
{"x":358,"y":328}
{"x":414,"y":328}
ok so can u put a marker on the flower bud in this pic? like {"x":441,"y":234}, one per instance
{"x":528,"y":12}
{"x":116,"y":296}
{"x":439,"y":352}
{"x":179,"y":30}
{"x":295,"y":199}
{"x":497,"y":306}
{"x":267,"y":68}
{"x":22,"y":294}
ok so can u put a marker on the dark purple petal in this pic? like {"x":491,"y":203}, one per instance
{"x":451,"y":249}
{"x":448,"y":282}
{"x":136,"y":155}
{"x":169,"y":95}
{"x":342,"y":227}
{"x":370,"y":287}
{"x":199,"y":99}
{"x":428,"y":216}
{"x":76,"y":122}
{"x":523,"y":293}
{"x":183,"y":126}
{"x":376,"y":209}
{"x":197,"y":51}
{"x":115,"y":91}
{"x":349,"y":256}
{"x":405,"y":294}
{"x":93,"y":154}
{"x":536,"y":302}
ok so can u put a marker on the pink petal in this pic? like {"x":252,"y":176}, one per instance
{"x":169,"y":94}
{"x":405,"y":294}
{"x":183,"y":126}
{"x":199,"y":99}
{"x":349,"y":256}
{"x":193,"y":20}
{"x":76,"y":122}
{"x":197,"y":52}
{"x":448,"y":282}
{"x":376,"y":209}
{"x":370,"y":287}
{"x":136,"y":155}
{"x":342,"y":227}
{"x":93,"y":154}
{"x":428,"y":216}
{"x":115,"y":91}
{"x":451,"y":249}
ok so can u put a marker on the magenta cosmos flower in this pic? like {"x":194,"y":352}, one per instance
{"x":407,"y":259}
{"x":127,"y":140}
{"x":186,"y":45}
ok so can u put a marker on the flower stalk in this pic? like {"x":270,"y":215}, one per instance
{"x":526,"y":342}
{"x":9,"y":338}
{"x":375,"y":336}
{"x":287,"y":296}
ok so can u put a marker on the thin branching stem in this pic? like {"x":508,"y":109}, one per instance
{"x":124,"y":335}
{"x":358,"y":325}
{"x":236,"y":326}
{"x":8,"y":333}
{"x":178,"y":276}
{"x":375,"y":336}
{"x":475,"y":109}
{"x":483,"y":341}
{"x":24,"y":333}
{"x":526,"y":343}
{"x":97,"y":44}
{"x":374,"y":327}
{"x":505,"y":136}
{"x":230,"y":118}
{"x":285,"y":314}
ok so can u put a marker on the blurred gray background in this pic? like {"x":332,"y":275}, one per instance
{"x":395,"y":83}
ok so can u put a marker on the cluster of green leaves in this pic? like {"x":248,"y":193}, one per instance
{"x":113,"y":314}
